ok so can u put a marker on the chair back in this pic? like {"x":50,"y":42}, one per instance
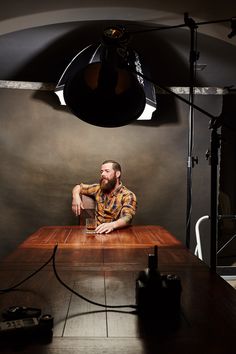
{"x":89,"y":209}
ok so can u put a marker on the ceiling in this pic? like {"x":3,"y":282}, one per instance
{"x":38,"y":39}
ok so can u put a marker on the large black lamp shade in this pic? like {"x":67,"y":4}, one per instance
{"x":101,"y":85}
{"x":115,"y":100}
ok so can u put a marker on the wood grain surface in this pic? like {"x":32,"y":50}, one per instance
{"x":105,"y":272}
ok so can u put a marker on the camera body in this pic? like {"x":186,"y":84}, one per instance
{"x":21,"y":321}
{"x":157,"y":294}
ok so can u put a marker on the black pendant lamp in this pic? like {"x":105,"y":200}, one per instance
{"x":105,"y":91}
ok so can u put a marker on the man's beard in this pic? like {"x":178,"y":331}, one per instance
{"x":107,"y":185}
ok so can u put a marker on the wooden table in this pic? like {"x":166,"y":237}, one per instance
{"x":104,"y":269}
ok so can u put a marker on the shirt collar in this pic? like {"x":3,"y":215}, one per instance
{"x":117,"y":190}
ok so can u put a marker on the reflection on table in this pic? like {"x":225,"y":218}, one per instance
{"x":104,"y":269}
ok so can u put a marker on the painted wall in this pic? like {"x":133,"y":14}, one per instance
{"x":46,"y":150}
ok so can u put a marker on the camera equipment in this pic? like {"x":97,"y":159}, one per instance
{"x":17,"y":312}
{"x":44,"y":323}
{"x":24,"y":320}
{"x":157,"y":294}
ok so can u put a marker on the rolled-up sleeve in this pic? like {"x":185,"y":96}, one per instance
{"x":129,"y":206}
{"x":89,"y":189}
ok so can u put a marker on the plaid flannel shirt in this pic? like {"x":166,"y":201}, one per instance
{"x":121,"y":203}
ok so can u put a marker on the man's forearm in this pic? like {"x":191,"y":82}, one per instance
{"x":77,"y":204}
{"x":120,"y":223}
{"x":108,"y":227}
{"x":76,"y":191}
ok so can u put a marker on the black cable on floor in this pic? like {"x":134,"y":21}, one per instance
{"x":3,"y":291}
{"x":53,"y":259}
{"x":79,"y":295}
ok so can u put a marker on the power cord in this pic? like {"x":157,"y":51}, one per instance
{"x":76,"y":293}
{"x":53,"y":259}
{"x":3,"y":291}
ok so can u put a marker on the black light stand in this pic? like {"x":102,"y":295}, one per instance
{"x":215,"y":138}
{"x":215,"y":123}
{"x":214,"y":154}
{"x":193,"y":57}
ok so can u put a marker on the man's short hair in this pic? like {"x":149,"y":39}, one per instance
{"x":115,"y":165}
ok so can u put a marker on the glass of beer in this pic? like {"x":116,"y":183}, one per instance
{"x":90,"y":225}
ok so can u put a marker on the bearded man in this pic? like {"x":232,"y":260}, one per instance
{"x":115,"y":204}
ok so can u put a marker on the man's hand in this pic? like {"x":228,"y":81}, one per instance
{"x":108,"y":227}
{"x":77,"y":205}
{"x":105,"y":228}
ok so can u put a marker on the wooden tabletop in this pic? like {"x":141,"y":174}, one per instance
{"x":76,"y":237}
{"x":104,"y":269}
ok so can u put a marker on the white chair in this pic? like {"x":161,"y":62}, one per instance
{"x":198,"y":249}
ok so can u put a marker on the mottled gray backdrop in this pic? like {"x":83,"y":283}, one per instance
{"x":46,"y":150}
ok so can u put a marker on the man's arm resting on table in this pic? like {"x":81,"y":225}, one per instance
{"x":77,"y":204}
{"x":108,"y":227}
{"x":127,"y":214}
